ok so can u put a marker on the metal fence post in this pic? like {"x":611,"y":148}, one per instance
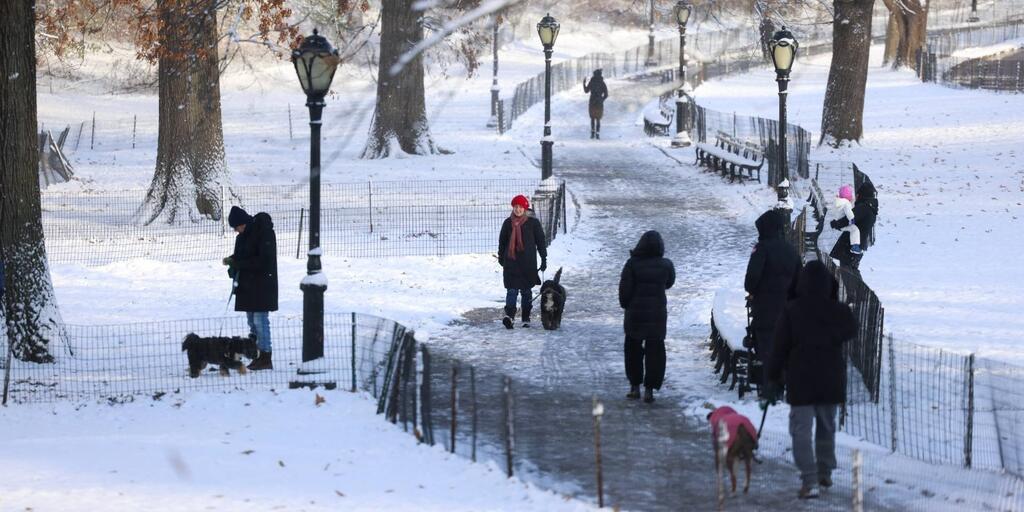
{"x":92,"y":135}
{"x":472,"y":397}
{"x":454,"y":404}
{"x":223,"y":205}
{"x":354,"y":353}
{"x":289,"y":121}
{"x":135,"y":124}
{"x":509,"y":432}
{"x":425,"y":402}
{"x":597,"y":411}
{"x":298,"y":244}
{"x":892,"y":392}
{"x":858,"y":492}
{"x":969,"y":435}
{"x":369,"y":195}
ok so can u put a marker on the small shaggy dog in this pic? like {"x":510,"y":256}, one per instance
{"x":221,"y":350}
{"x":552,"y":302}
{"x":742,"y":440}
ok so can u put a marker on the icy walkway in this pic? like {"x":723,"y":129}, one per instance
{"x":656,"y":457}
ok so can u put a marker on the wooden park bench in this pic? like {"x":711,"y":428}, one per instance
{"x":659,"y":121}
{"x":730,"y":325}
{"x":731,"y":157}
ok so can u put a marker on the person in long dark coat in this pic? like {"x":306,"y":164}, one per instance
{"x":770,"y":273}
{"x":598,"y":93}
{"x":253,"y":267}
{"x":520,"y":241}
{"x":645,"y":277}
{"x":808,"y":357}
{"x":865,"y":212}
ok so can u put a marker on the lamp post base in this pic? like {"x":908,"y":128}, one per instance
{"x":492,"y":122}
{"x":681,"y":140}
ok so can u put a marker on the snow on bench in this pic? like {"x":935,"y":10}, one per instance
{"x":728,"y":328}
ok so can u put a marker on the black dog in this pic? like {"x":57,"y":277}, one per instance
{"x":552,"y":302}
{"x":221,"y":350}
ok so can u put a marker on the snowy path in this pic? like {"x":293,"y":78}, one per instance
{"x":656,"y":457}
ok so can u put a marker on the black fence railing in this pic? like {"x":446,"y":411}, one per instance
{"x":369,"y":219}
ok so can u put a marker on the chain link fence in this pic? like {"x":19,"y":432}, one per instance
{"x":1003,"y":71}
{"x":368,"y":219}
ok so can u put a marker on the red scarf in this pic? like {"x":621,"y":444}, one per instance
{"x":515,"y":243}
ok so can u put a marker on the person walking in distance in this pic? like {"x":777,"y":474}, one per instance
{"x":772,"y":267}
{"x":253,"y":267}
{"x":808,"y":357}
{"x":598,"y":93}
{"x":645,"y":277}
{"x":520,"y":241}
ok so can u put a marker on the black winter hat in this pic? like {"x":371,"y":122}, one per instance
{"x":237,"y":217}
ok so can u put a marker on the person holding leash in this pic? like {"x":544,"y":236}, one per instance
{"x":253,"y":266}
{"x":598,"y":93}
{"x":520,"y":241}
{"x":808,"y":356}
{"x":645,"y":277}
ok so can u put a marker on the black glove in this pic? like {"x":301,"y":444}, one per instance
{"x":501,"y":262}
{"x":543,"y":264}
{"x":230,"y":263}
{"x":835,"y":224}
{"x":771,"y":394}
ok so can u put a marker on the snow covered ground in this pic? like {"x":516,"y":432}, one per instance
{"x":240,"y":451}
{"x":947,"y":164}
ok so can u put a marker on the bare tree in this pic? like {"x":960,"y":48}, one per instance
{"x":843,"y":112}
{"x":906,"y":32}
{"x":29,"y":308}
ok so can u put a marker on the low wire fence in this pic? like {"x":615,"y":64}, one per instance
{"x":1002,"y":71}
{"x":119,"y":363}
{"x":369,"y":219}
{"x":932,"y":404}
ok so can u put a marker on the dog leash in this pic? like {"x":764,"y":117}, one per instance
{"x":223,"y":316}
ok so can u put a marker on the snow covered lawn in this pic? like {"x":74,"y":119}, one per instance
{"x":240,"y":451}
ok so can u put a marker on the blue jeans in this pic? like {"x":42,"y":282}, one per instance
{"x":510,"y":302}
{"x":259,"y":325}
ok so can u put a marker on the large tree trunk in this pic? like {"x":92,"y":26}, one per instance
{"x":906,"y":33}
{"x":190,"y":166}
{"x":29,"y":308}
{"x":843,"y":113}
{"x":400,"y":118}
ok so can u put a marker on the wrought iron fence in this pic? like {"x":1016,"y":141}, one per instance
{"x":368,"y":219}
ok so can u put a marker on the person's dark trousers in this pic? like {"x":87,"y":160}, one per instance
{"x":763,"y":338}
{"x":641,"y":354}
{"x":816,"y":459}
{"x":527,"y":302}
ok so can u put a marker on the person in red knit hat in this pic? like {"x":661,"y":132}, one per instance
{"x":520,"y":241}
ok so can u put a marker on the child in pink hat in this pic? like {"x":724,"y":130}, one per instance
{"x":844,"y":205}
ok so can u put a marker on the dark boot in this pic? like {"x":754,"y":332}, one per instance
{"x":634,"y":392}
{"x":262,"y":362}
{"x":648,"y":395}
{"x":510,"y":313}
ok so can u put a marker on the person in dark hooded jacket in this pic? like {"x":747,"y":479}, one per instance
{"x":598,"y":93}
{"x":865,"y":212}
{"x":520,"y":241}
{"x":808,"y":357}
{"x":253,"y":268}
{"x":770,"y":273}
{"x":645,"y":277}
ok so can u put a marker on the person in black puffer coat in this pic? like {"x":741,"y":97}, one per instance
{"x":520,"y":241}
{"x":645,"y":277}
{"x":808,"y":357}
{"x":253,"y":267}
{"x":598,"y":91}
{"x":772,"y":268}
{"x":865,"y":212}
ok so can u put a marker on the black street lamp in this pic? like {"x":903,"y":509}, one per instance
{"x":547,"y":29}
{"x":651,"y":62}
{"x":493,"y":122}
{"x":783,"y":46}
{"x":683,"y":99}
{"x":315,"y":62}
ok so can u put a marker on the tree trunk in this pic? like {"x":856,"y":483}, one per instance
{"x":907,"y":31}
{"x":29,"y":309}
{"x":400,"y":119}
{"x":190,"y":166}
{"x":843,"y":113}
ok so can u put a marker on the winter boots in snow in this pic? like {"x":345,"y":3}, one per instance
{"x":634,"y":392}
{"x":648,"y":395}
{"x":855,"y":249}
{"x":507,"y":321}
{"x":263,"y":361}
